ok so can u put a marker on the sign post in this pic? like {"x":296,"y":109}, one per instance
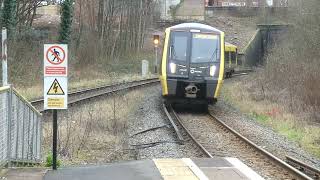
{"x":4,"y":57}
{"x":55,"y":86}
{"x":156,"y":41}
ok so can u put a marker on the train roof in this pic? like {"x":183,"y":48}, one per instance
{"x":230,"y":47}
{"x":195,"y":26}
{"x":229,"y":44}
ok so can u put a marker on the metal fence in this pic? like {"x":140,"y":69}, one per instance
{"x":20,"y":129}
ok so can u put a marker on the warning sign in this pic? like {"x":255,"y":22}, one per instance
{"x":55,"y":103}
{"x":56,"y":55}
{"x":55,"y":59}
{"x":55,"y":70}
{"x":55,"y":89}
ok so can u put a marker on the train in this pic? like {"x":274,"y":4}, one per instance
{"x":231,"y":59}
{"x":192,"y":68}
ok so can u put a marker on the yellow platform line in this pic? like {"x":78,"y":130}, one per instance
{"x":174,"y":169}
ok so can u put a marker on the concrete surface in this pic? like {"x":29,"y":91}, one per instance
{"x":135,"y":170}
{"x":23,"y":174}
{"x":216,"y":168}
{"x":168,"y":169}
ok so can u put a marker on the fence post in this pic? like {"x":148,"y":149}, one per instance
{"x":9,"y":104}
{"x":18,"y":129}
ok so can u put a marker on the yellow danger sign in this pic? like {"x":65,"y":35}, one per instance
{"x":55,"y":89}
{"x":55,"y":102}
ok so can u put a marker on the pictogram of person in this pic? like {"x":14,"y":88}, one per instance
{"x":56,"y":54}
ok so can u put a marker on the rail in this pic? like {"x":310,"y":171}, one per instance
{"x":173,"y":115}
{"x":276,"y":160}
{"x":303,"y":167}
{"x":268,"y":154}
{"x":90,"y":93}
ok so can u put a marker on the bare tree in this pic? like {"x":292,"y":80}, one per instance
{"x":117,"y":26}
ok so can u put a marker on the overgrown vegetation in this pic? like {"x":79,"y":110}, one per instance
{"x":95,"y":132}
{"x":248,"y":98}
{"x":291,"y":76}
{"x":104,"y":37}
{"x":285,"y":94}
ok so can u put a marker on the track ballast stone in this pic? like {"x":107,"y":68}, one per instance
{"x":150,"y":114}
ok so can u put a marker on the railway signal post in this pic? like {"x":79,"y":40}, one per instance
{"x":4,"y":57}
{"x":55,"y":87}
{"x":156,"y":41}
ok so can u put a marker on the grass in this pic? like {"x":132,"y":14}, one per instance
{"x":94,"y":132}
{"x":262,"y":118}
{"x":273,"y":115}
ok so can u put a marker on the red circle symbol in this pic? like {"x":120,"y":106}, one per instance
{"x":56,"y":54}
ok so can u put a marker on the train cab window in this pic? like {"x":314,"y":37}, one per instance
{"x":179,"y":46}
{"x":205,"y":48}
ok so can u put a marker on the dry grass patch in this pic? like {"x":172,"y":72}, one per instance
{"x":254,"y":102}
{"x":94,"y":132}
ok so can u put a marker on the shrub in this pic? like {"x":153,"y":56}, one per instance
{"x":49,"y":161}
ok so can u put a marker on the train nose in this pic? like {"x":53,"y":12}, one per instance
{"x":191,"y":89}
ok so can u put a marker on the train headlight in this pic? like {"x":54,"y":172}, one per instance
{"x":212,"y":70}
{"x":173,"y":68}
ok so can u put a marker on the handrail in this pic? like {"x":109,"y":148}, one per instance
{"x":26,"y":101}
{"x":4,"y":88}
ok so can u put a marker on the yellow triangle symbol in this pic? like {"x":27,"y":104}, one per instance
{"x":55,"y":89}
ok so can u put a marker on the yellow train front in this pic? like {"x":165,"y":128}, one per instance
{"x":192,"y":66}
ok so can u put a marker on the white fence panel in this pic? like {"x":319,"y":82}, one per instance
{"x":20,"y":129}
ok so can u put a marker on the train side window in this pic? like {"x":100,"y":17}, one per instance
{"x":226,"y":57}
{"x":233,"y":57}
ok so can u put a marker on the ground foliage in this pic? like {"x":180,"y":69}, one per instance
{"x":292,"y":66}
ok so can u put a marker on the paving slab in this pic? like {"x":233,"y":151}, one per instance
{"x":134,"y":170}
{"x":24,"y":174}
{"x":156,"y":169}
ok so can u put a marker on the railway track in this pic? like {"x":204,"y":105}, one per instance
{"x":90,"y":93}
{"x":215,"y":138}
{"x":303,"y":167}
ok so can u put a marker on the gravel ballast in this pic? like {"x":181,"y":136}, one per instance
{"x":150,"y":114}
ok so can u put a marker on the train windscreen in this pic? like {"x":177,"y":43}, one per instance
{"x":178,"y":49}
{"x":205,"y":48}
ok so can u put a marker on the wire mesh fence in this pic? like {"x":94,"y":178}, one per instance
{"x":20,"y":129}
